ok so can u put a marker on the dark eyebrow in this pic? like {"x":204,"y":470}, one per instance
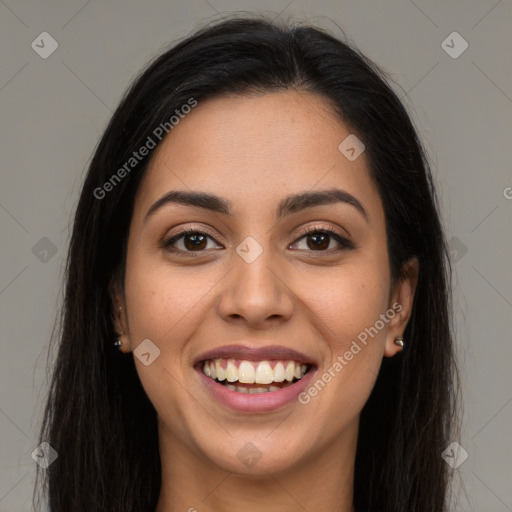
{"x":287,"y":206}
{"x":200,"y":199}
{"x":292,"y":204}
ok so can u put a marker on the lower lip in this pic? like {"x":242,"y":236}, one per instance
{"x":256,"y":402}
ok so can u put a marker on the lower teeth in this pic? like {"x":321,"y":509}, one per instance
{"x":255,"y":390}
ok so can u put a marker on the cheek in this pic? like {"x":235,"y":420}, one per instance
{"x":164,"y":307}
{"x":160,"y":300}
{"x":160,"y":305}
{"x":347,"y":301}
{"x":347,"y":305}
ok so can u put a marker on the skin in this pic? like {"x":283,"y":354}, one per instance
{"x":254,"y":150}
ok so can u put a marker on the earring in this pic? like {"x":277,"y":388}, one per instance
{"x":399,"y":340}
{"x":118,"y":343}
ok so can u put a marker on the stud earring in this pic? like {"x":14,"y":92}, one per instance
{"x":118,"y":343}
{"x":399,"y":340}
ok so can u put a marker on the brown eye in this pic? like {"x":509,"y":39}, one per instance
{"x":321,"y":240}
{"x":188,"y":241}
{"x":194,"y":242}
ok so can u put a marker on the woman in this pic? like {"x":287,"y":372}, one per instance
{"x":257,"y":311}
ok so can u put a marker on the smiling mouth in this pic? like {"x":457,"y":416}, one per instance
{"x":254,"y":377}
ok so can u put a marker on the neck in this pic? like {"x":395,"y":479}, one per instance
{"x":322,"y":481}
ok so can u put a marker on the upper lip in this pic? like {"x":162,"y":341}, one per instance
{"x":250,"y":353}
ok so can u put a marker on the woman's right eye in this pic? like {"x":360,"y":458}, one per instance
{"x":188,"y":241}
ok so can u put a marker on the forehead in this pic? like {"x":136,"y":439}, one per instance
{"x":256,"y":149}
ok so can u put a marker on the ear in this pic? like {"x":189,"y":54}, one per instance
{"x":119,"y":314}
{"x":402,"y":298}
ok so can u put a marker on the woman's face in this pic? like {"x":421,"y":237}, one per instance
{"x":251,"y":294}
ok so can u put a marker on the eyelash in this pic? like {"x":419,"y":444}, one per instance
{"x":344,"y":242}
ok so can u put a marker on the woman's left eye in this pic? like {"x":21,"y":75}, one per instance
{"x":320,"y":240}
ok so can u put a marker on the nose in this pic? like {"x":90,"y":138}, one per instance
{"x":256,"y":294}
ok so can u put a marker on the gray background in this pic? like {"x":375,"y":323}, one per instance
{"x":54,"y":110}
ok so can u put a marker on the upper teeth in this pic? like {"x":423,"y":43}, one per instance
{"x":250,"y":372}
